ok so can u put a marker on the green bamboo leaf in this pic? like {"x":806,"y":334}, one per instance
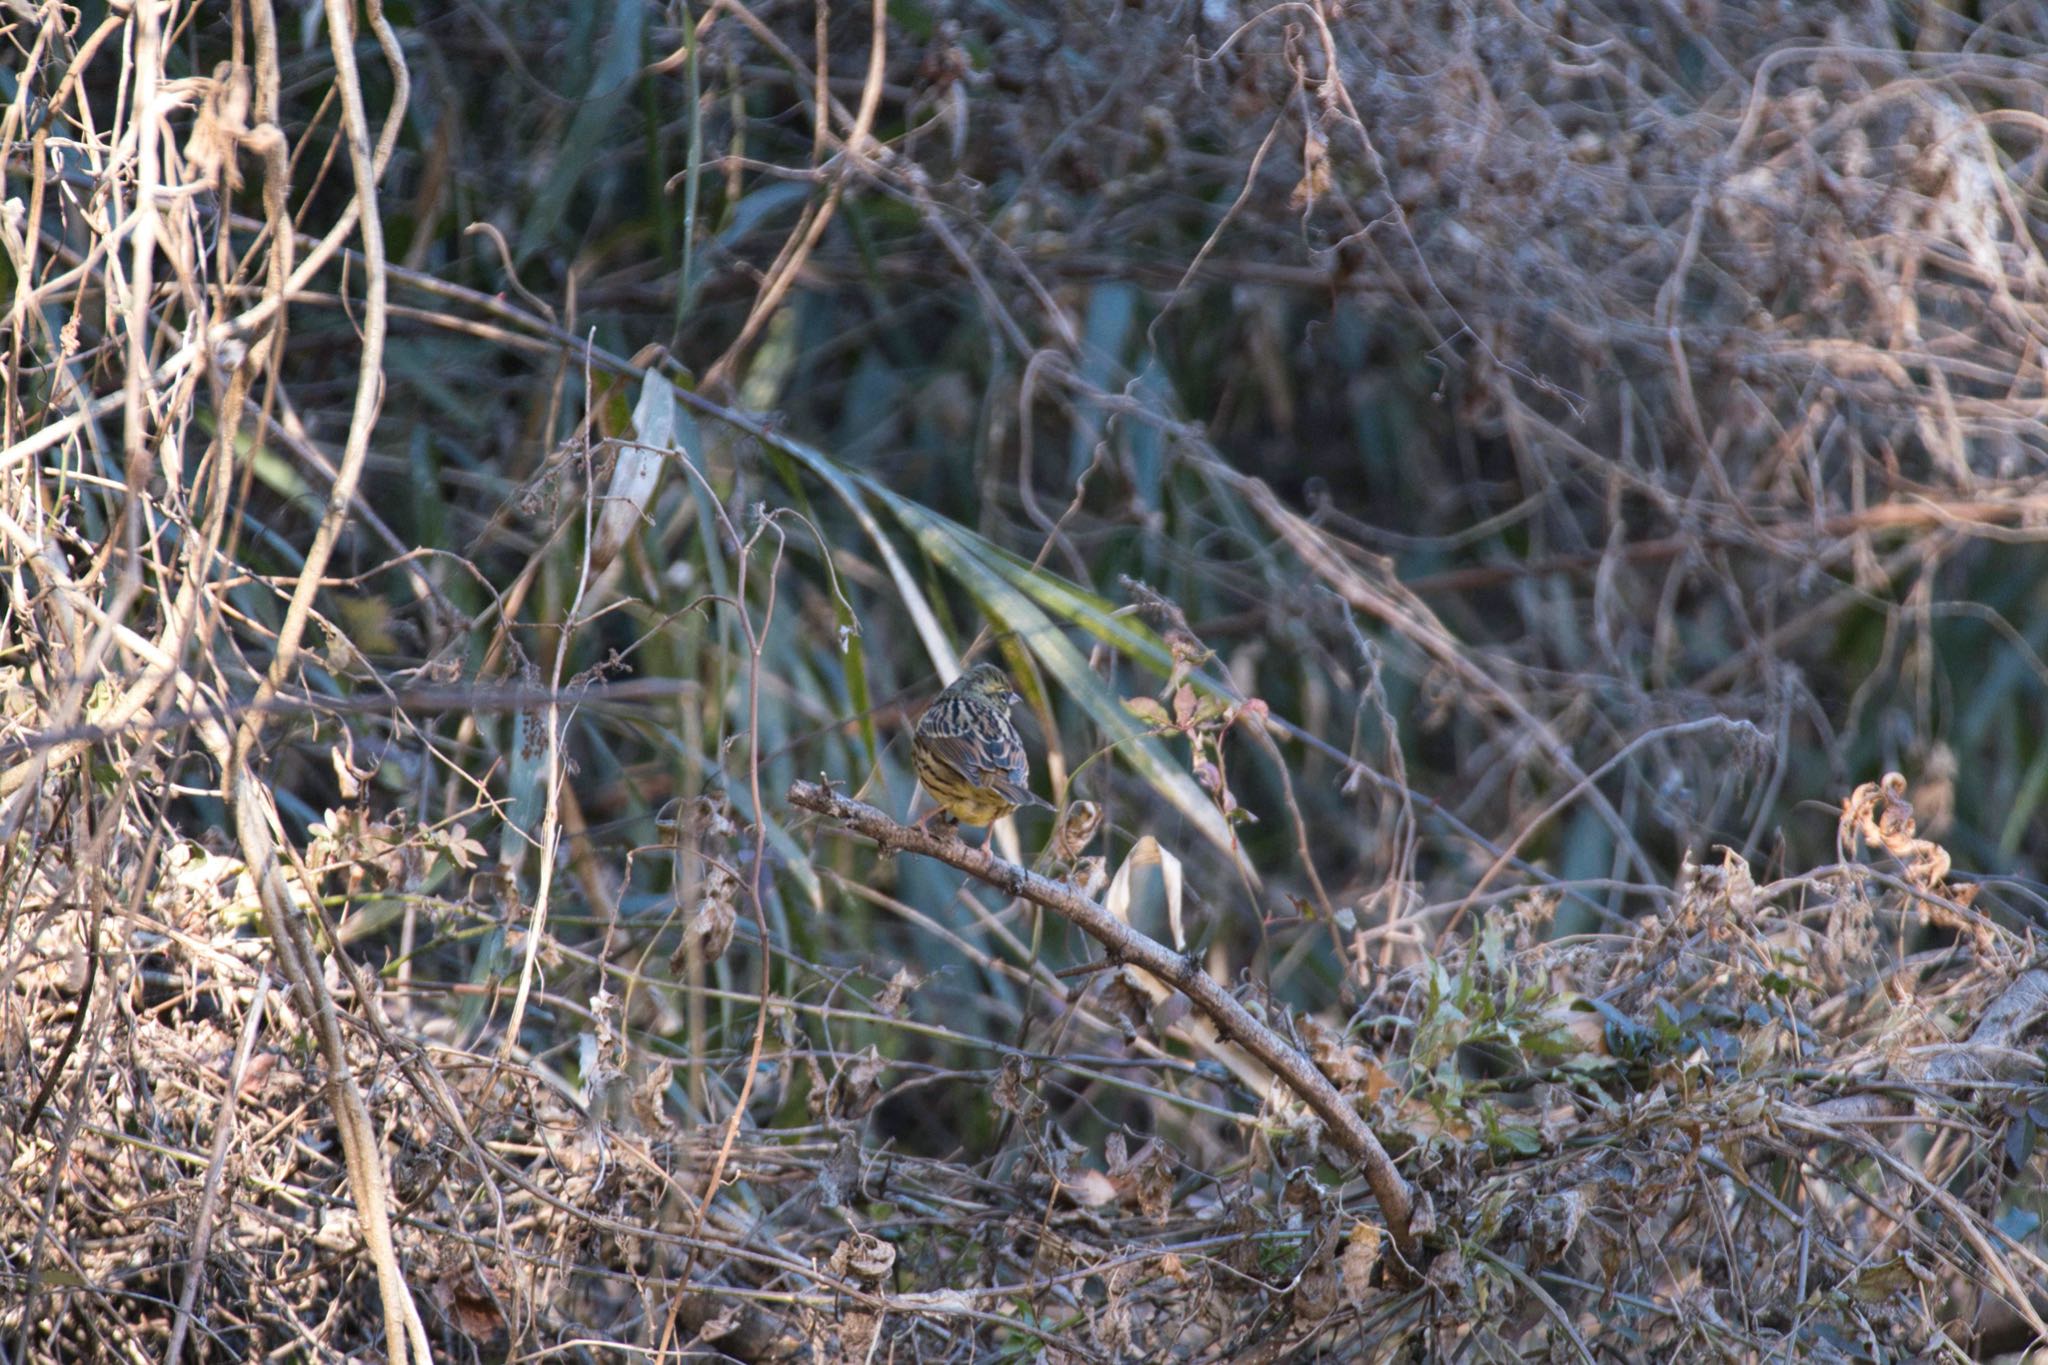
{"x":853,"y":653}
{"x":637,"y":468}
{"x":1077,"y":606}
{"x":1009,"y":590}
{"x":430,"y":509}
{"x":1147,"y":440}
{"x":486,"y":971}
{"x":693,"y":170}
{"x":1112,"y":311}
{"x":526,"y":781}
{"x":848,"y":489}
{"x":788,"y":849}
{"x":795,"y":858}
{"x":595,"y":124}
{"x":953,"y":549}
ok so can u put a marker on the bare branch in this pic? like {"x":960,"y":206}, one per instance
{"x":1125,"y":944}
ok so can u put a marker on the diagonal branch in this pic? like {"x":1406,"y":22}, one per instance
{"x":1126,"y":945}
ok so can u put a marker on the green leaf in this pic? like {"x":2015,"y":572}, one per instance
{"x":430,"y":511}
{"x":1150,"y":711}
{"x":957,"y":551}
{"x":1112,"y":309}
{"x":2018,"y":1223}
{"x":526,"y":781}
{"x":1147,"y":440}
{"x":1078,"y":606}
{"x":2019,"y":1142}
{"x":485,"y":971}
{"x":596,"y":121}
{"x":853,"y":652}
{"x":849,"y":491}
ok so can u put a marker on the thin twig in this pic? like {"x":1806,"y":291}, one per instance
{"x":1125,"y":944}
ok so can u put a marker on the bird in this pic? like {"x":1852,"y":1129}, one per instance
{"x":968,"y":753}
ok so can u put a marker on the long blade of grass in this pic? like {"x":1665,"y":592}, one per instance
{"x":957,"y":551}
{"x":597,"y":118}
{"x":1006,"y":585}
{"x":848,"y":489}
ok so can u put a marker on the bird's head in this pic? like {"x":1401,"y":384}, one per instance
{"x":986,"y":680}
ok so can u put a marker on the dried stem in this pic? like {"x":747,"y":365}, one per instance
{"x":1126,"y":944}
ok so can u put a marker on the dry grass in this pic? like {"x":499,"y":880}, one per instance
{"x":1460,"y":490}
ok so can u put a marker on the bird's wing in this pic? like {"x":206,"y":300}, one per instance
{"x":991,"y":762}
{"x":985,"y":760}
{"x":1002,"y":756}
{"x":954,"y":750}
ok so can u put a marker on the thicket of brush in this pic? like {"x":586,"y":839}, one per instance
{"x":1516,"y":526}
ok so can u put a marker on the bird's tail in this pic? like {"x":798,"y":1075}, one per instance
{"x":1017,"y":794}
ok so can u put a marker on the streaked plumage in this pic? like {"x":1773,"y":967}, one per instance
{"x":968,"y":753}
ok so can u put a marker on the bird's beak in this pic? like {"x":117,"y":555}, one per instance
{"x":1016,"y":700}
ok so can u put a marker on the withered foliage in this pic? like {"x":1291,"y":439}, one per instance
{"x":1468,"y":494}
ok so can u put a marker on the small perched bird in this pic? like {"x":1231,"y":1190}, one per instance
{"x":968,"y":753}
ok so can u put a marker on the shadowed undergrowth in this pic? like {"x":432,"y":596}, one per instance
{"x":1471,"y":502}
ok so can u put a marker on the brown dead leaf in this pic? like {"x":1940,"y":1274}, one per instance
{"x":1315,"y":173}
{"x":467,"y":1301}
{"x":1344,"y":1062}
{"x":1144,"y":1178}
{"x":1090,"y":1189}
{"x":1360,"y":1256}
{"x":1014,"y":1091}
{"x":862,"y":1257}
{"x":889,"y":1004}
{"x":858,"y":1086}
